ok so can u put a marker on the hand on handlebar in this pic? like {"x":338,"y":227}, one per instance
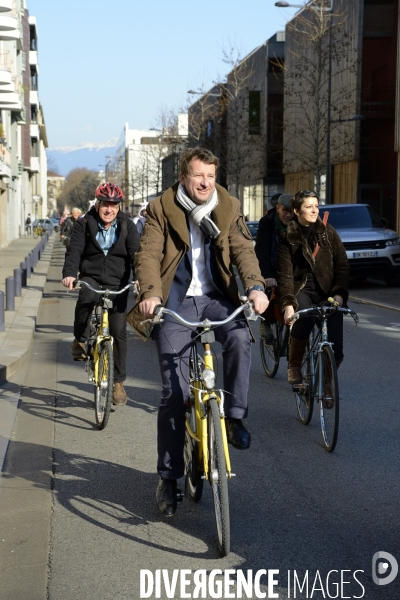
{"x":146,"y":307}
{"x":289,"y":312}
{"x":260,"y":301}
{"x":68,"y":282}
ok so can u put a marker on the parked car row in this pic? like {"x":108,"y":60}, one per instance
{"x":372,"y":249}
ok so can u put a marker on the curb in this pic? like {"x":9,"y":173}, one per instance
{"x":373,"y":303}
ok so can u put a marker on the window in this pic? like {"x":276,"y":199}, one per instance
{"x":254,"y":113}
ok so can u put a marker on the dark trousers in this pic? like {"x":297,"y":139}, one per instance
{"x":303,"y":327}
{"x":117,"y":318}
{"x":173,"y":357}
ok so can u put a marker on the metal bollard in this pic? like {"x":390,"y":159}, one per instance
{"x":17,"y":282}
{"x":24,"y":275}
{"x":28,"y":266}
{"x":2,"y":318}
{"x":10,"y":293}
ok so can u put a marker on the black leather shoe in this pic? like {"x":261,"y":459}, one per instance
{"x":166,"y":496}
{"x":237,"y":434}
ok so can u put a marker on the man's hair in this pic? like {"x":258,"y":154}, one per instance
{"x":298,"y":199}
{"x":76,"y":208}
{"x":202,"y":154}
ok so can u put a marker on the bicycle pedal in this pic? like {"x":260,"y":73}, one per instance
{"x":179,"y":495}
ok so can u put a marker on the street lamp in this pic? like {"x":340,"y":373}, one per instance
{"x":283,"y":4}
{"x":204,"y":94}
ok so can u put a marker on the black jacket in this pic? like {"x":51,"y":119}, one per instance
{"x":266,"y":244}
{"x":67,"y":226}
{"x":294,"y":260}
{"x":86,"y":256}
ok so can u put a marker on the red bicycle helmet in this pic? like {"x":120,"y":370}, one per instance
{"x":109,"y":191}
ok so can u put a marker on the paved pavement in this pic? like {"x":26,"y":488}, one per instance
{"x":16,"y":340}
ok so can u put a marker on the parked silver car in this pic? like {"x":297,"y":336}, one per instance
{"x":372,"y":249}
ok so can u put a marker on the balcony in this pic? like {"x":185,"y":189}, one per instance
{"x":9,"y":28}
{"x":33,"y":98}
{"x":11,"y":97}
{"x":7,"y":88}
{"x":5,"y":162}
{"x":35,"y":131}
{"x":5,"y":76}
{"x":33,"y":57}
{"x":35,"y":164}
{"x":6,"y":5}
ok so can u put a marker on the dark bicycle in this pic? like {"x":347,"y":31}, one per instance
{"x":319,"y":371}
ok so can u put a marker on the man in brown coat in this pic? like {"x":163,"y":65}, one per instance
{"x":193,"y":233}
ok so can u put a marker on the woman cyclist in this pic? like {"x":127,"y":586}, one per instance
{"x":311,"y":266}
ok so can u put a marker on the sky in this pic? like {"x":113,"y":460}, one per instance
{"x":104,"y":63}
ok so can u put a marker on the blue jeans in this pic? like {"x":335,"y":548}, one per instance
{"x":173,"y":355}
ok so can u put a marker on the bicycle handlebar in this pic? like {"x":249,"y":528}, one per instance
{"x":322,"y":311}
{"x":161,"y":310}
{"x":78,"y":283}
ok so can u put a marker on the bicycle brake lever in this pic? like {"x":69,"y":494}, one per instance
{"x":250,"y":314}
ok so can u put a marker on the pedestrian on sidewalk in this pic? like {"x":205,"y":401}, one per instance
{"x":102,"y":248}
{"x":28,"y":224}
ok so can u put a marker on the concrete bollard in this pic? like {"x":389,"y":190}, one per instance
{"x":17,"y":282}
{"x":10,"y":293}
{"x":2,"y":317}
{"x":24,"y":275}
{"x":28,"y":266}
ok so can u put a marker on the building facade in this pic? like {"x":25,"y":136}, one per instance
{"x":23,"y":165}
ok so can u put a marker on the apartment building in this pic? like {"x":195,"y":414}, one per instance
{"x":240,"y":120}
{"x":137,"y":165}
{"x":23,"y":165}
{"x":351,"y":153}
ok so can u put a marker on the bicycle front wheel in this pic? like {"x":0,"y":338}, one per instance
{"x":218,"y":478}
{"x":193,"y":479}
{"x":303,"y":394}
{"x":329,"y":405}
{"x":103,"y":391}
{"x":35,"y":233}
{"x":270,"y":353}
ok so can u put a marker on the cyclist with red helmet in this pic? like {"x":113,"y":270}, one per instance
{"x":102,"y":249}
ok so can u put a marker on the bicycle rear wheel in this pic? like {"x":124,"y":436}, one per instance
{"x":103,"y":391}
{"x":270,"y":353}
{"x":218,"y":478}
{"x":303,"y":394}
{"x":329,"y":405}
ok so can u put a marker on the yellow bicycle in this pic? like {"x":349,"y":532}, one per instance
{"x":38,"y":230}
{"x":206,"y":452}
{"x":99,"y":352}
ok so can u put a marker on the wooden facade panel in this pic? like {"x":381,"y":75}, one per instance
{"x":305,"y":136}
{"x":345,"y":179}
{"x":302,"y":180}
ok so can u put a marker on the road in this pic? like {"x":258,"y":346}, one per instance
{"x":81,"y":513}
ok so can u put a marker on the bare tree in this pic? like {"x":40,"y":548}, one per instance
{"x":79,"y":189}
{"x":225,"y":120}
{"x":320,"y":84}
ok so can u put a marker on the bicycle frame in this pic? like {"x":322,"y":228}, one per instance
{"x":315,"y":356}
{"x":201,"y":397}
{"x":102,"y":334}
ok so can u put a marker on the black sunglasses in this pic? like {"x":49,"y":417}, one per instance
{"x":307,"y":193}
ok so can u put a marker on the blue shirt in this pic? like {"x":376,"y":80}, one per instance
{"x":107,"y":237}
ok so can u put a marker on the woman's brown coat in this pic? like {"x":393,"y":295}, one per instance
{"x":165,"y":240}
{"x":294,"y":259}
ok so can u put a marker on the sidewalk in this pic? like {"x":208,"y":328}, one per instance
{"x":15,"y":341}
{"x":377,"y":293}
